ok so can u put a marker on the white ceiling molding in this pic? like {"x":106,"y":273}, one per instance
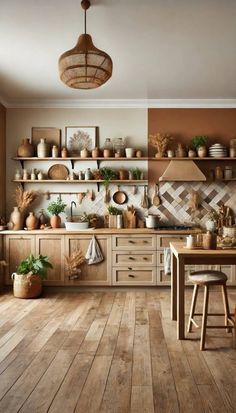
{"x":123,"y":103}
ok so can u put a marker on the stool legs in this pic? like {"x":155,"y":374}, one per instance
{"x":192,"y":309}
{"x":226,"y":306}
{"x":204,"y":317}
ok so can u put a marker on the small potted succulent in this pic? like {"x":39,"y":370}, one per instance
{"x":198,"y":143}
{"x":27,"y":280}
{"x":55,"y":208}
{"x":212,"y":220}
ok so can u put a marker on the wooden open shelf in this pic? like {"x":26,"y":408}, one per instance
{"x":192,"y":159}
{"x":82,"y":181}
{"x":73,"y":158}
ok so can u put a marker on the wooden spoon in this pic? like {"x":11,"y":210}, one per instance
{"x":156,"y":199}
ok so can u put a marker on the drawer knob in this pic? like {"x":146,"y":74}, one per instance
{"x":131,"y":241}
{"x":129,"y":268}
{"x":131,"y":258}
{"x":145,"y":241}
{"x":145,"y":258}
{"x":131,"y":275}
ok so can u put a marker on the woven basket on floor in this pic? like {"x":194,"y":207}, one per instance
{"x":26,"y":285}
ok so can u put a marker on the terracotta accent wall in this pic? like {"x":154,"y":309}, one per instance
{"x":183,"y":124}
{"x":2,"y":158}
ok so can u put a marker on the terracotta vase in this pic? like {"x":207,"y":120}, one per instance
{"x":16,"y":219}
{"x":26,"y":149}
{"x":31,"y":221}
{"x":55,"y":221}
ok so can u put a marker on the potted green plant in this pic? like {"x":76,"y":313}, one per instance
{"x":137,"y":173}
{"x":27,"y":280}
{"x":55,"y":208}
{"x":198,"y":143}
{"x":113,"y":213}
{"x":107,"y":174}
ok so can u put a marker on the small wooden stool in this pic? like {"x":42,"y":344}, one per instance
{"x":206,"y":278}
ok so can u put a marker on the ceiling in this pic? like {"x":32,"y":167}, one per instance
{"x":161,"y":49}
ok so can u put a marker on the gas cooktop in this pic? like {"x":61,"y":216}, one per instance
{"x":173,"y":227}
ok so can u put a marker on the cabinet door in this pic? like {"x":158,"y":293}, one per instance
{"x":95,"y":274}
{"x":53,"y":247}
{"x":16,"y":249}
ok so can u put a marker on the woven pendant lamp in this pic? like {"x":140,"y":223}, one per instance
{"x":85,"y":66}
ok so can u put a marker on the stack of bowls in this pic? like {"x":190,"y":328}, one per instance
{"x":218,"y":151}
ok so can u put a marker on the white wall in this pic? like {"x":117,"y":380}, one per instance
{"x":131,"y":123}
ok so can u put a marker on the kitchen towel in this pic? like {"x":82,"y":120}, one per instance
{"x":94,"y":253}
{"x":167,"y":261}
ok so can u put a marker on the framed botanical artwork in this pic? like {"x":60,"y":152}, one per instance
{"x":52,"y":136}
{"x":80,"y":137}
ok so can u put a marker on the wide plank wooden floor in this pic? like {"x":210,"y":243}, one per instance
{"x":111,"y":351}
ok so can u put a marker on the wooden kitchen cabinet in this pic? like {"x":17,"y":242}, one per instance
{"x":134,"y":259}
{"x":95,"y":274}
{"x":16,"y":249}
{"x":53,"y":247}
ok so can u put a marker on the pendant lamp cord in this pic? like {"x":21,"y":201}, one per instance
{"x":85,"y":26}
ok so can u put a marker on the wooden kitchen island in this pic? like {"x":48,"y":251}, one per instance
{"x":182,"y":257}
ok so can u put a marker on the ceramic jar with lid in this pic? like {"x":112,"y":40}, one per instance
{"x":42,"y":149}
{"x":84,"y":153}
{"x":64,"y":153}
{"x":26,"y":149}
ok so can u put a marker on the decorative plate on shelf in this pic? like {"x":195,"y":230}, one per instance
{"x":58,"y":171}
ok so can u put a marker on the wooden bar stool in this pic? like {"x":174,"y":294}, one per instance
{"x":207,"y":278}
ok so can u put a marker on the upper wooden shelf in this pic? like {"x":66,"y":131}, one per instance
{"x":144,"y":158}
{"x":192,"y":159}
{"x":35,"y":158}
{"x":82,"y":181}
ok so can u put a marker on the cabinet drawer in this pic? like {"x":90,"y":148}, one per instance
{"x":134,"y":276}
{"x":163,"y":241}
{"x":134,"y":242}
{"x":133,"y":258}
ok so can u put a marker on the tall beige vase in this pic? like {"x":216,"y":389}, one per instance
{"x":16,"y":219}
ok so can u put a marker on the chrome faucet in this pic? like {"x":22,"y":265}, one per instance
{"x":73,"y":203}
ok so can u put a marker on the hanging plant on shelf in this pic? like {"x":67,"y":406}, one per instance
{"x":107,"y":175}
{"x":160,"y":141}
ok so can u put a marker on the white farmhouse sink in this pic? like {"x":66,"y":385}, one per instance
{"x":76,"y":226}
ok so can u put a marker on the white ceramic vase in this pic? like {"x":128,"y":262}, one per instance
{"x":42,"y":149}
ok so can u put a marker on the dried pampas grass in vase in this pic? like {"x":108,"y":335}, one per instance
{"x":73,"y":262}
{"x":160,"y":141}
{"x":24,"y":199}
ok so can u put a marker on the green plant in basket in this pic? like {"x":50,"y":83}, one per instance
{"x":27,"y":280}
{"x":34,"y":265}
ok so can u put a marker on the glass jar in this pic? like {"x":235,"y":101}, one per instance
{"x":107,"y":148}
{"x":119,"y":147}
{"x":218,"y":173}
{"x":228,"y":172}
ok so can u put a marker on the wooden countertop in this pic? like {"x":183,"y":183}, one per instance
{"x":97,"y":231}
{"x":179,"y":249}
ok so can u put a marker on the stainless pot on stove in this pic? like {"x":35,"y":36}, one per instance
{"x":152,"y":221}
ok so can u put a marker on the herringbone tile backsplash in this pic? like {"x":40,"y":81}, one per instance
{"x":175,"y":200}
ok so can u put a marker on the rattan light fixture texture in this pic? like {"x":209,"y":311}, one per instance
{"x":85,"y":66}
